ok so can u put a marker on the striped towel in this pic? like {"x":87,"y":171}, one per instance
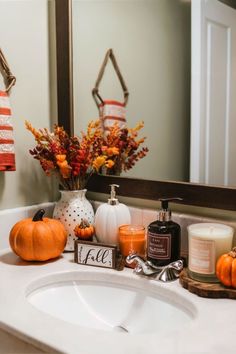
{"x":112,"y":111}
{"x":7,"y":153}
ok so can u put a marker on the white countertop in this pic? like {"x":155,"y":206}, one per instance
{"x":212,"y":329}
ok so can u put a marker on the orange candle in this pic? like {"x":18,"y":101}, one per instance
{"x":132,"y":239}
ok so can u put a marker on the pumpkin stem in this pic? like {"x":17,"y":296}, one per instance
{"x":233,"y":253}
{"x":39,"y":215}
{"x":83,"y":224}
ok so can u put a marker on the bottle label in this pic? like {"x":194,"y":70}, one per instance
{"x":201,"y":256}
{"x":159,"y":246}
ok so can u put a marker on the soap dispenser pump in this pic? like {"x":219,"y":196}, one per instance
{"x":164,"y":237}
{"x":109,"y":216}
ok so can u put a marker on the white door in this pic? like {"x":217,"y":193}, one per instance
{"x":213,"y":93}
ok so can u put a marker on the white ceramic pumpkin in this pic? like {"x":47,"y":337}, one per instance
{"x":108,"y":217}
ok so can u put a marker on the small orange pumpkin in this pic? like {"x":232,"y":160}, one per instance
{"x":226,"y":268}
{"x":84,"y":230}
{"x":38,"y":239}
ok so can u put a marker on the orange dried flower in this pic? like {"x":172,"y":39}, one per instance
{"x":112,"y":151}
{"x":65,"y":169}
{"x":99,"y":162}
{"x":61,"y":158}
{"x":109,"y":164}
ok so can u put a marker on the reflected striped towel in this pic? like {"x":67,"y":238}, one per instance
{"x":7,"y":153}
{"x":112,"y":111}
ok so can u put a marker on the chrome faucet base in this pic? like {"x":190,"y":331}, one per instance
{"x":166,"y":273}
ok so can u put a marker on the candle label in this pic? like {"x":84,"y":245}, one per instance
{"x":95,"y":254}
{"x":159,"y":246}
{"x":202,"y":256}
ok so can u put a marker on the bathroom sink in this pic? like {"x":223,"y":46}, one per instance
{"x":97,"y":300}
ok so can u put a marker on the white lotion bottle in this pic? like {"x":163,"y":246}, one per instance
{"x":109,"y":217}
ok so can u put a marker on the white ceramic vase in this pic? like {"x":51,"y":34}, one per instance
{"x":70,"y":209}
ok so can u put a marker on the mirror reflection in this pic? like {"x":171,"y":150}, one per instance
{"x":152,"y":44}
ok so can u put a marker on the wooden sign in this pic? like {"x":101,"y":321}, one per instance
{"x":95,"y":254}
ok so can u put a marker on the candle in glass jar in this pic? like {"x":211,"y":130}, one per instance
{"x":132,"y":239}
{"x":207,"y":242}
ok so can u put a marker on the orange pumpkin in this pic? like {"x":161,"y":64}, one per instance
{"x":38,"y":239}
{"x":84,"y":230}
{"x":226,"y":268}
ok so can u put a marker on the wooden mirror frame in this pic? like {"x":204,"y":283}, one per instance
{"x":192,"y":194}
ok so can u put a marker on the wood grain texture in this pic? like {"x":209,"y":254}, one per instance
{"x":208,"y":290}
{"x":64,"y":65}
{"x":192,"y":194}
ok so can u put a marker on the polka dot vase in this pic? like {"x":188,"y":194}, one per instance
{"x":70,"y":209}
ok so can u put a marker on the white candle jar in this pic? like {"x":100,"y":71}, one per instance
{"x":206,"y":242}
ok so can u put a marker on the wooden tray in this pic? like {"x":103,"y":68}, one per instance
{"x":210,"y":290}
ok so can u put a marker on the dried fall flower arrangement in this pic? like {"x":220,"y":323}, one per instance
{"x":122,"y":145}
{"x":75,"y":159}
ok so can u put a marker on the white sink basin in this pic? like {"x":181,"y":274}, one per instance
{"x":112,"y":303}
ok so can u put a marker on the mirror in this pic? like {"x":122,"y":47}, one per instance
{"x":194,"y":194}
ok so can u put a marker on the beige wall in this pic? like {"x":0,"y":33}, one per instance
{"x":151,"y":40}
{"x":25,"y":42}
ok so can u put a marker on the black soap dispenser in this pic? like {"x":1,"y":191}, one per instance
{"x":163,"y":237}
